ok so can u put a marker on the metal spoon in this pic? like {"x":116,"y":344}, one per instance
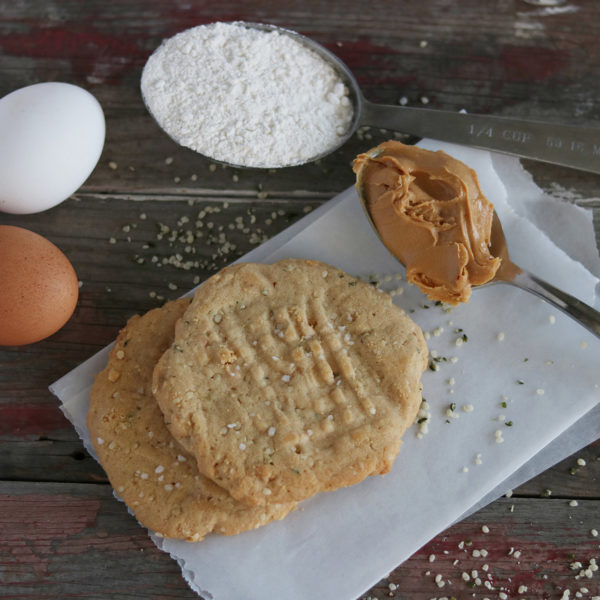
{"x":512,"y":274}
{"x":565,"y":145}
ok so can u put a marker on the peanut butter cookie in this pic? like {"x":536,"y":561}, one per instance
{"x":157,"y":479}
{"x":289,"y":379}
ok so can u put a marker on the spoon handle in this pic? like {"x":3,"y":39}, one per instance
{"x":578,"y":310}
{"x":565,"y":145}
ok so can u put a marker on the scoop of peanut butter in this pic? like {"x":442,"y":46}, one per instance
{"x":431,"y":214}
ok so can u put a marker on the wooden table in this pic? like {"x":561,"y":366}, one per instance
{"x":62,"y":534}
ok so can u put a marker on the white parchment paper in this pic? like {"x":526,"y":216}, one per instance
{"x":519,"y":351}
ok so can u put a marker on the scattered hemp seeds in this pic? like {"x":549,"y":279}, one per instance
{"x":198,"y":237}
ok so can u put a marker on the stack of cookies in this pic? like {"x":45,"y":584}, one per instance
{"x":273,"y":383}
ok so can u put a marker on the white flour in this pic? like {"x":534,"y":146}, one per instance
{"x":244,"y":96}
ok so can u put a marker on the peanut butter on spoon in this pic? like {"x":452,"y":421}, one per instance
{"x":430,"y":213}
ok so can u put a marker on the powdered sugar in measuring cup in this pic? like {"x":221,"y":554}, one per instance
{"x":261,"y":96}
{"x":247,"y":94}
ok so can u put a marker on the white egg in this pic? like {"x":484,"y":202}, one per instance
{"x":51,"y":137}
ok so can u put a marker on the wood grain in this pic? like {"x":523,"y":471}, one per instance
{"x":65,"y":540}
{"x":62,"y":541}
{"x":501,"y":57}
{"x":62,"y":534}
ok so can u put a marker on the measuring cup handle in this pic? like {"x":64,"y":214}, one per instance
{"x":565,"y":145}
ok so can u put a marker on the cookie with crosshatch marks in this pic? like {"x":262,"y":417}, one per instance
{"x":155,"y":477}
{"x":289,"y":379}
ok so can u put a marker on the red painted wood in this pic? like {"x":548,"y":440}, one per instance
{"x":62,"y":534}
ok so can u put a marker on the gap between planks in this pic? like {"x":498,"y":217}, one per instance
{"x":208,"y":195}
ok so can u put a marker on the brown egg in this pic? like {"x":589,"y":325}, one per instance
{"x":38,"y":287}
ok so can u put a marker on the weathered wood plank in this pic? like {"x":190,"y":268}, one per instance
{"x":49,"y":460}
{"x":510,"y":47}
{"x":151,"y":250}
{"x":38,"y":442}
{"x":577,"y":476}
{"x":505,"y":57}
{"x":528,"y":552}
{"x":132,"y":256}
{"x":515,"y":60}
{"x":60,"y":540}
{"x":33,"y":457}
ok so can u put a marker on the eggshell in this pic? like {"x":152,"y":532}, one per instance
{"x":52,"y":135}
{"x":38,"y":287}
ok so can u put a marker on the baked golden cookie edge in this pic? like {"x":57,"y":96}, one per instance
{"x":156,"y":477}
